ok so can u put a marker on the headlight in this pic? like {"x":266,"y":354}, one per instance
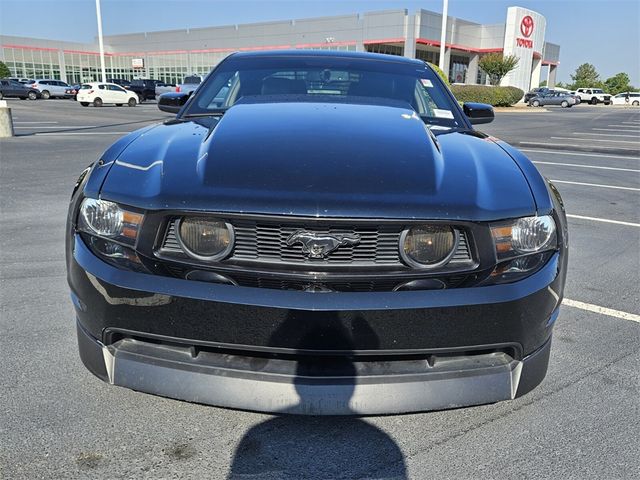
{"x":523,"y":246}
{"x":428,"y":246}
{"x":108,"y":220}
{"x":205,"y":238}
{"x":524,"y":236}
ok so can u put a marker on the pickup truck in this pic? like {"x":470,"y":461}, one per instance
{"x":190,"y":84}
{"x":593,"y":96}
{"x":145,"y":88}
{"x":162,"y":87}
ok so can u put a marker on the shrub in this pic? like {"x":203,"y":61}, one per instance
{"x":443,"y":76}
{"x":496,"y":96}
{"x":496,"y":65}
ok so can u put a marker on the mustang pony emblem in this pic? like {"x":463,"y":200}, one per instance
{"x":319,"y":245}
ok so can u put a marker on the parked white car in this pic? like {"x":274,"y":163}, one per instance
{"x":99,"y":94}
{"x":627,"y":98}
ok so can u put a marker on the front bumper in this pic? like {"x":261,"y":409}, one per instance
{"x":337,"y":387}
{"x":313,"y":353}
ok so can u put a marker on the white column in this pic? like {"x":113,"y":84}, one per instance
{"x":551,"y":76}
{"x":535,"y":73}
{"x":443,"y":38}
{"x":100,"y":43}
{"x":472,"y":69}
{"x":410,"y":36}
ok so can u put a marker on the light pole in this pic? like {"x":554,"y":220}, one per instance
{"x":443,"y":35}
{"x":101,"y":45}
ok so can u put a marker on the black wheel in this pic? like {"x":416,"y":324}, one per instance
{"x":635,"y":103}
{"x":536,"y":103}
{"x":594,"y":101}
{"x":132,"y":102}
{"x":140,"y":98}
{"x":118,"y":104}
{"x":564,"y":104}
{"x":84,"y":104}
{"x":46,"y":95}
{"x":32,"y":96}
{"x":97,"y":102}
{"x":1,"y":95}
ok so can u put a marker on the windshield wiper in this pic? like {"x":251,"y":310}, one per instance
{"x":215,"y":112}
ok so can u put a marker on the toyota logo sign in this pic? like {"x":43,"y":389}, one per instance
{"x":526,"y":26}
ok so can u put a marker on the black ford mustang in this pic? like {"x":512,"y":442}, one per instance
{"x":320,"y":233}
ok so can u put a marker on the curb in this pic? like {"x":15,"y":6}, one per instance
{"x":520,"y":109}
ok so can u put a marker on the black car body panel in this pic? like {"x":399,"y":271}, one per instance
{"x":353,"y":332}
{"x":185,"y":166}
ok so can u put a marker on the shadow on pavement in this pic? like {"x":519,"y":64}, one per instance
{"x":293,"y":446}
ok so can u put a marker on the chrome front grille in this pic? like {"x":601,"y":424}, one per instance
{"x":265,"y":242}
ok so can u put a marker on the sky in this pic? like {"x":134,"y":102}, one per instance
{"x":605,"y":33}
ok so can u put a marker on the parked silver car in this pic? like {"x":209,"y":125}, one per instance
{"x":49,"y":87}
{"x":563,"y":99}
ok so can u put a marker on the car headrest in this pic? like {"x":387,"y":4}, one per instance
{"x":283,"y":86}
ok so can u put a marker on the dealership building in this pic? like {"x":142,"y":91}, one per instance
{"x":171,"y":55}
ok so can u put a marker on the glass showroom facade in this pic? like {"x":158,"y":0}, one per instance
{"x":171,"y":55}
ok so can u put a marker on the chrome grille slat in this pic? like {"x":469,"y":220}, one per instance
{"x":266,"y":242}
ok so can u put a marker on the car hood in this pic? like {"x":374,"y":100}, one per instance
{"x":319,"y":159}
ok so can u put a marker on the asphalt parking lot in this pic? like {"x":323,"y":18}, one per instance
{"x":58,"y":421}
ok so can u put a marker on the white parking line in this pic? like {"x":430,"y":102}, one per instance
{"x":637,"y":142}
{"x":68,"y":134}
{"x":619,"y":126}
{"x":597,"y":185}
{"x":603,"y":220}
{"x":35,"y":122}
{"x":616,"y":130}
{"x":579,"y":154}
{"x":588,"y":166}
{"x":601,"y":310}
{"x":561,"y":145}
{"x":604,"y":134}
{"x":61,"y":126}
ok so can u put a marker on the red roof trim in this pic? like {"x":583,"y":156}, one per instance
{"x":325,"y":44}
{"x":454,"y":46}
{"x":384,"y":40}
{"x":28,"y":47}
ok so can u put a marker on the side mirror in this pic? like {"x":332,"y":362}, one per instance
{"x":478,"y":113}
{"x":172,"y":102}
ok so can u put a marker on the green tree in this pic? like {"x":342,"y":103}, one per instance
{"x":618,"y":83}
{"x":586,"y":76}
{"x":497,"y":66}
{"x":4,"y":71}
{"x":543,"y":83}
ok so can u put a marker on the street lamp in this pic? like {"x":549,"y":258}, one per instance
{"x":443,"y":34}
{"x":101,"y":45}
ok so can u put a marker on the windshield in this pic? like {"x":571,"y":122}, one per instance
{"x":192,"y":80}
{"x":324,"y":78}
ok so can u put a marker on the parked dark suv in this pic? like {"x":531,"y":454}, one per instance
{"x":145,"y":88}
{"x":11,"y":88}
{"x":120,"y":81}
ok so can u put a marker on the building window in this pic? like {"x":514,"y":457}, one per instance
{"x":458,"y":66}
{"x":428,"y":56}
{"x":384,"y":48}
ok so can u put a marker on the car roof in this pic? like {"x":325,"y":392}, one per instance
{"x":329,"y":53}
